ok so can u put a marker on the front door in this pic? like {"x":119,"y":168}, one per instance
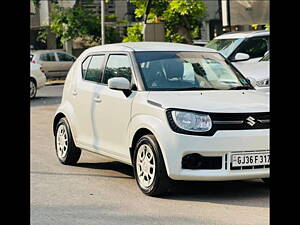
{"x":113,"y":113}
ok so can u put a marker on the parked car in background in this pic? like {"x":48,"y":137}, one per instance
{"x":242,"y":47}
{"x":55,"y":63}
{"x":259,"y":72}
{"x":200,"y":42}
{"x":184,"y":113}
{"x":37,"y":78}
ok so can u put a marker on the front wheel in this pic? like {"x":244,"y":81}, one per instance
{"x":149,"y":167}
{"x":66,"y":151}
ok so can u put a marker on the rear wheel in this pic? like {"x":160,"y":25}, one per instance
{"x":33,"y":89}
{"x":66,"y":151}
{"x":149,"y":167}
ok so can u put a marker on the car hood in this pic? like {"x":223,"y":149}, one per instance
{"x":233,"y":101}
{"x":258,"y":71}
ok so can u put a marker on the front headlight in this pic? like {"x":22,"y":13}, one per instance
{"x":191,"y":121}
{"x":263,"y":83}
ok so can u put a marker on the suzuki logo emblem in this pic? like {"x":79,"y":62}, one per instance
{"x":251,"y":121}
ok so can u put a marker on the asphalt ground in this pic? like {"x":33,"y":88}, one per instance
{"x":99,"y":190}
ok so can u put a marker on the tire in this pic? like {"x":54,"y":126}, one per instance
{"x":149,"y":167}
{"x":266,"y":180}
{"x":66,"y":151}
{"x":33,"y":88}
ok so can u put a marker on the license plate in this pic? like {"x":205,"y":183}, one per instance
{"x":250,"y":159}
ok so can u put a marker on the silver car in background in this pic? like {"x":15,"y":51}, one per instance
{"x":56,"y":63}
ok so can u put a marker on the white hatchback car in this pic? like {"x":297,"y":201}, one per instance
{"x":172,"y":111}
{"x":242,"y":47}
{"x":37,"y":78}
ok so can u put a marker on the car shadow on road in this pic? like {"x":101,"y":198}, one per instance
{"x":45,"y":100}
{"x":114,"y":166}
{"x":253,"y":193}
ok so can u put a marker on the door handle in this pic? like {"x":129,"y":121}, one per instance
{"x":75,"y":92}
{"x":97,"y":99}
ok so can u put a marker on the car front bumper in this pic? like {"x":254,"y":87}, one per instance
{"x":223,"y":143}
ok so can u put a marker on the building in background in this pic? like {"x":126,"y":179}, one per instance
{"x":40,"y":18}
{"x":234,"y":15}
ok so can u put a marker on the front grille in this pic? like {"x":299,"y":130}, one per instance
{"x":226,"y":121}
{"x":240,"y":121}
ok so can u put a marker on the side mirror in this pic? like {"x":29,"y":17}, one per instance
{"x":120,"y":83}
{"x":241,"y":57}
{"x":252,"y":81}
{"x":266,"y":53}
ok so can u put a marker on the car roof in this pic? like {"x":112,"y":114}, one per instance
{"x":149,"y":46}
{"x":46,"y":51}
{"x":244,"y":34}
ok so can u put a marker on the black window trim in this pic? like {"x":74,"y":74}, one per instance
{"x":46,"y":53}
{"x":101,"y":69}
{"x":137,"y":78}
{"x":56,"y":53}
{"x":133,"y":77}
{"x":230,"y":57}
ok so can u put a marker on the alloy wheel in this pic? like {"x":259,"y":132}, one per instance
{"x":61,"y":141}
{"x":145,"y":166}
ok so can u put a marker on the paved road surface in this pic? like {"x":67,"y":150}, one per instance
{"x":102,"y":191}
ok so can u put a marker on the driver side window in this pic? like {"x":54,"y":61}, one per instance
{"x":254,"y":47}
{"x":117,"y":66}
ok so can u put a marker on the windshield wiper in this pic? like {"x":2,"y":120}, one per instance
{"x":240,"y":88}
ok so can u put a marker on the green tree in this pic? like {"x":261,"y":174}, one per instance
{"x":70,"y":23}
{"x":134,"y":33}
{"x":182,"y":18}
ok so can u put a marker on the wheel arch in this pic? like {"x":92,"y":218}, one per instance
{"x":33,"y":79}
{"x":138,"y":134}
{"x":56,"y":119}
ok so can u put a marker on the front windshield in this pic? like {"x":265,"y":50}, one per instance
{"x":188,"y":71}
{"x":224,"y":46}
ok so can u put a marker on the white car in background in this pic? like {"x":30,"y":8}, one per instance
{"x":258,"y":72}
{"x":242,"y":47}
{"x":37,"y":78}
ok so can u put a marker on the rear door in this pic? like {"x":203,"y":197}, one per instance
{"x":85,"y":100}
{"x":65,"y":62}
{"x":49,"y":64}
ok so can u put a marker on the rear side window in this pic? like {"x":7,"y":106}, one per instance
{"x":255,"y":47}
{"x":64,"y":57}
{"x":85,"y":66}
{"x":48,"y":57}
{"x":117,"y":66}
{"x":94,"y":68}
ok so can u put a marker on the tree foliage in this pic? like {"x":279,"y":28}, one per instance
{"x":134,"y":33}
{"x":70,"y":23}
{"x":182,"y":18}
